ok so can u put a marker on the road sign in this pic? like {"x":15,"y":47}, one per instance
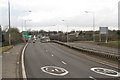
{"x":39,"y":35}
{"x":25,"y":34}
{"x":103,"y":30}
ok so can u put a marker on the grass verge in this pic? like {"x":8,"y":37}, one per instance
{"x":112,"y":44}
{"x":5,"y":48}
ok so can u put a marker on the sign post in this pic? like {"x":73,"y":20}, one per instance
{"x":103,"y":30}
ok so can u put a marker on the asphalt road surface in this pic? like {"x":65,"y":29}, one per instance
{"x":95,"y":47}
{"x":48,"y":60}
{"x":0,"y":67}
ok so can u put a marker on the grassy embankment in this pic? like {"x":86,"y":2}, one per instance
{"x":5,"y":48}
{"x":113,"y":44}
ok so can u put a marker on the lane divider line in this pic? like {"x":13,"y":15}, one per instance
{"x":22,"y":62}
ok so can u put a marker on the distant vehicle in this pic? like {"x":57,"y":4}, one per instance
{"x":29,"y":40}
{"x":33,"y":41}
{"x":46,"y":39}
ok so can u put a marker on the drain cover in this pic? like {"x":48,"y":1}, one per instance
{"x":105,"y":71}
{"x":54,"y":70}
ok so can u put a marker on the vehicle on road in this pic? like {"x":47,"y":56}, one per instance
{"x":33,"y":41}
{"x":46,"y":39}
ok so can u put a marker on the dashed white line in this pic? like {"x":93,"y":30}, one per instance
{"x":52,"y":55}
{"x":63,"y":62}
{"x":46,"y":50}
{"x":92,"y":78}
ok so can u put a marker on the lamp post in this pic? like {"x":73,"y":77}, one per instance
{"x":26,"y":23}
{"x":9,"y":22}
{"x":67,"y":32}
{"x":26,"y":20}
{"x":93,"y":23}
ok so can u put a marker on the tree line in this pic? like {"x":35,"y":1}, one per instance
{"x":16,"y":35}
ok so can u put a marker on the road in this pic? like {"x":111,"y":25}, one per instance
{"x":95,"y":47}
{"x":0,"y":67}
{"x":48,"y":60}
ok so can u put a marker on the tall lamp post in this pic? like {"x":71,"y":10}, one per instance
{"x":93,"y":23}
{"x":67,"y":32}
{"x":26,"y":22}
{"x":9,"y":22}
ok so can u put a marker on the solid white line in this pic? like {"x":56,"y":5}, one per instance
{"x":23,"y":65}
{"x":63,"y":62}
{"x":92,"y":77}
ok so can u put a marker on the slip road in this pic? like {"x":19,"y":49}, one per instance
{"x":47,"y":60}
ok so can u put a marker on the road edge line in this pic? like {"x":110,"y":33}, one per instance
{"x":22,"y":62}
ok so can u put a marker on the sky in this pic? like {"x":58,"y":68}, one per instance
{"x":49,"y":14}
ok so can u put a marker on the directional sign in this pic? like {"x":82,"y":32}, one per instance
{"x":25,"y":34}
{"x":103,"y":30}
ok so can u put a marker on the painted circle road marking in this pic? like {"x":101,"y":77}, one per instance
{"x":105,"y":71}
{"x":53,"y":70}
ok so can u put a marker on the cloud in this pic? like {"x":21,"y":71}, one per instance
{"x":51,"y":12}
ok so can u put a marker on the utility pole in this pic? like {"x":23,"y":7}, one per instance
{"x":9,"y":22}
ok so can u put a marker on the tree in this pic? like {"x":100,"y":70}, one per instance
{"x":80,"y":33}
{"x":16,"y":37}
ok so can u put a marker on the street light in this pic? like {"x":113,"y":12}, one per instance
{"x":9,"y":22}
{"x":67,"y":32}
{"x":93,"y":23}
{"x":26,"y":22}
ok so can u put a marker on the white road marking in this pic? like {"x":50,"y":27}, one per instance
{"x":46,"y":68}
{"x":6,"y":52}
{"x":46,"y":50}
{"x":54,"y":69}
{"x":92,"y":78}
{"x":52,"y":55}
{"x":22,"y":62}
{"x":63,"y":62}
{"x":57,"y":70}
{"x":105,"y":71}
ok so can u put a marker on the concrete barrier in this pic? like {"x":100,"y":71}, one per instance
{"x":93,"y":52}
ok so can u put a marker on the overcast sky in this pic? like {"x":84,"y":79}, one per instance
{"x":48,"y":14}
